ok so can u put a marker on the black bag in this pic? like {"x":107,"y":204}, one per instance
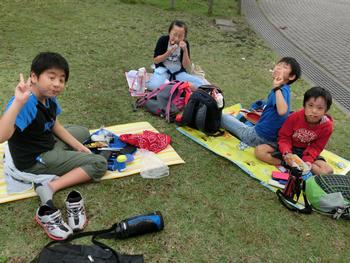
{"x":65,"y":252}
{"x":202,"y":111}
{"x":292,"y":191}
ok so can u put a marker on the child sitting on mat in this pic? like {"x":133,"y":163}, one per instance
{"x":305,"y":133}
{"x":39,"y":144}
{"x":172,"y":58}
{"x":276,"y":111}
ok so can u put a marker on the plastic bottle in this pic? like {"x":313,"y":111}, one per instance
{"x":141,"y":80}
{"x":151,"y":166}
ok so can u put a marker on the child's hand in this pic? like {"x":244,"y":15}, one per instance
{"x":23,"y":89}
{"x":309,"y":166}
{"x":278,"y":77}
{"x":83,"y":149}
{"x":183,"y":45}
{"x":277,"y":82}
{"x":172,"y":49}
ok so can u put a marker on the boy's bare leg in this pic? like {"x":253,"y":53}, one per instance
{"x":321,"y":167}
{"x":75,"y":176}
{"x":264,"y":153}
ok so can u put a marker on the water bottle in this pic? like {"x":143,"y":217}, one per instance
{"x":139,"y":225}
{"x":141,"y":80}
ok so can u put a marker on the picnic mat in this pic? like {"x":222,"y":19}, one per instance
{"x":168,"y":155}
{"x":229,"y":147}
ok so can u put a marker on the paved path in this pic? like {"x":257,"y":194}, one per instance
{"x":316,"y":32}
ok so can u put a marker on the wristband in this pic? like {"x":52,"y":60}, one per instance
{"x":277,"y":88}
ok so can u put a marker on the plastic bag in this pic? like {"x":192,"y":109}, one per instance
{"x":151,"y":166}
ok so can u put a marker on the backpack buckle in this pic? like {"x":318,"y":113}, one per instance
{"x":338,"y":213}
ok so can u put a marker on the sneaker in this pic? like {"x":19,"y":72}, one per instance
{"x":76,"y":211}
{"x":52,"y":222}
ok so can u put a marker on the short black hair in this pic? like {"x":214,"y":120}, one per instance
{"x":49,"y":60}
{"x":296,"y":70}
{"x":178,"y":23}
{"x":316,"y":92}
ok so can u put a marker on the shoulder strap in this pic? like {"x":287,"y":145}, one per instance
{"x":176,"y":85}
{"x":105,"y":234}
{"x":187,"y":90}
{"x":172,"y":76}
{"x":201,"y":116}
{"x":187,"y":116}
{"x":140,"y":102}
{"x":291,"y":204}
{"x":84,"y":234}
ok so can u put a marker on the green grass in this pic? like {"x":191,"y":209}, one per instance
{"x":213,"y":211}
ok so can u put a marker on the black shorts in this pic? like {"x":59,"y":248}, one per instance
{"x":295,"y":150}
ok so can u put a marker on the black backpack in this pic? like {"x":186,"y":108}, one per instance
{"x":202,"y":111}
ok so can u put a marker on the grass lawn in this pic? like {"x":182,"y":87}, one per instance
{"x":213,"y":212}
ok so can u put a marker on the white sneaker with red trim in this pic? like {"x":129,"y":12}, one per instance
{"x":52,"y":222}
{"x":76,"y":214}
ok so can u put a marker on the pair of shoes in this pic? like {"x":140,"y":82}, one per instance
{"x":51,"y":218}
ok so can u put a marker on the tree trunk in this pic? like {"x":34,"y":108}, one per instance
{"x":210,"y":7}
{"x":172,"y":4}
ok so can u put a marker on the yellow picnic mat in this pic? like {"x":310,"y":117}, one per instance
{"x":232,"y":149}
{"x":168,"y":155}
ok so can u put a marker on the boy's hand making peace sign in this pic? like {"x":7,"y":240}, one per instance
{"x":23,"y":90}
